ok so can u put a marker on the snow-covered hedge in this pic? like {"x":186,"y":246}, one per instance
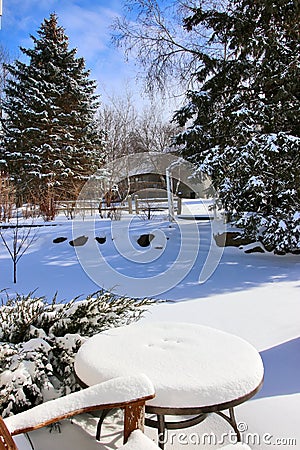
{"x":38,"y":342}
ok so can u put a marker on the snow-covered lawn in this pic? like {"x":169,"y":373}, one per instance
{"x":255,"y":296}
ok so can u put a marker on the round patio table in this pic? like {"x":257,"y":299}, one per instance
{"x":196,"y":370}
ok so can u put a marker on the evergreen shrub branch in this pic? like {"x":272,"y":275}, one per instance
{"x":39,"y":341}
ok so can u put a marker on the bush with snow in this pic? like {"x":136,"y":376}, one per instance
{"x":38,"y":343}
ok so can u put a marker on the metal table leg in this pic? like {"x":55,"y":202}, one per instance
{"x":161,"y":430}
{"x":232,"y":421}
{"x":101,"y":420}
{"x":162,"y":425}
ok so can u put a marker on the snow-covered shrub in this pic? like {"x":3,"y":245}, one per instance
{"x":282,"y":233}
{"x":39,"y":340}
{"x":25,"y":375}
{"x":279,"y":233}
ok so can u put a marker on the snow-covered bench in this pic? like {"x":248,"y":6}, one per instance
{"x":129,"y":393}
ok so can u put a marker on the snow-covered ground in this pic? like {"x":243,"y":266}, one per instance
{"x":255,"y":296}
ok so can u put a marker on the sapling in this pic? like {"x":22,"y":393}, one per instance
{"x":17,"y":242}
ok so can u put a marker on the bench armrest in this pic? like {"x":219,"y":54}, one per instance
{"x":121,"y":392}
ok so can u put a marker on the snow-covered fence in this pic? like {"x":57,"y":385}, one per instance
{"x":89,"y":208}
{"x":72,"y":208}
{"x":150,"y":205}
{"x":133,"y":205}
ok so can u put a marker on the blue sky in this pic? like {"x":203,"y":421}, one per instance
{"x":86,"y":23}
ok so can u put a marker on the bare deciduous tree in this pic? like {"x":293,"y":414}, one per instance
{"x":129,"y":130}
{"x":117,"y":120}
{"x":153,"y":32}
{"x":17,"y":240}
{"x":153,"y":132}
{"x":7,"y":197}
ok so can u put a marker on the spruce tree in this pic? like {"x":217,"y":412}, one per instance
{"x":52,"y":143}
{"x":244,"y":117}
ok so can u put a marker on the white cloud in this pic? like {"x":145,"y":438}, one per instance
{"x":23,"y":15}
{"x":87,"y":28}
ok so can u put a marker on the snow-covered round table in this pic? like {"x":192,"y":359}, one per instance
{"x":195,"y":369}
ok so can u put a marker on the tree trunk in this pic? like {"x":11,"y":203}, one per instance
{"x":15,"y":270}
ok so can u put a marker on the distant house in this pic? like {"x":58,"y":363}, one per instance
{"x":152,"y":184}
